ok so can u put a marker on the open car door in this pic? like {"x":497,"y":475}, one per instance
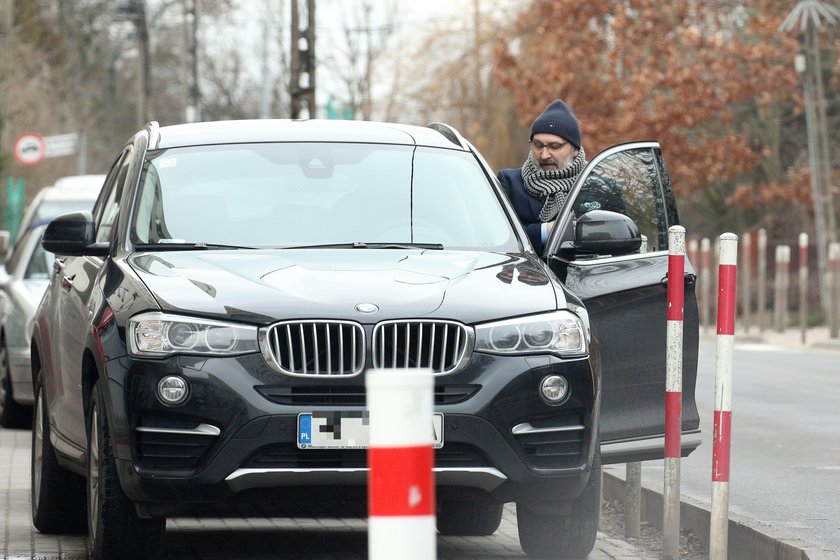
{"x":610,"y":248}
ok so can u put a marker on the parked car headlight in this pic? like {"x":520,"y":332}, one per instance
{"x":560,"y":332}
{"x":160,"y":334}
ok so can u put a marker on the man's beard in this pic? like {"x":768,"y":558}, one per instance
{"x":569,"y":160}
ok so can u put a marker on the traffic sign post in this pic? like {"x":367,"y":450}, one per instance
{"x":15,"y":190}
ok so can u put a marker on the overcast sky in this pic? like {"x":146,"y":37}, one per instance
{"x":414,"y":20}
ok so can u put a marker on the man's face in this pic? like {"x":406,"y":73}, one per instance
{"x":551,"y":152}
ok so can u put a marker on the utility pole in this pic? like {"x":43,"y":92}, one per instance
{"x":7,"y":17}
{"x":265,"y":90}
{"x":144,"y":86}
{"x":302,"y":82}
{"x":193,"y":108}
{"x":808,"y":16}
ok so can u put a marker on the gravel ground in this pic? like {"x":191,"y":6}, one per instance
{"x":650,"y":539}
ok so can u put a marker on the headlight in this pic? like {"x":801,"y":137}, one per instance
{"x":160,"y":334}
{"x":561,"y":332}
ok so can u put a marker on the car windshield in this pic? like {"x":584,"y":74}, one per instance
{"x":306,"y":194}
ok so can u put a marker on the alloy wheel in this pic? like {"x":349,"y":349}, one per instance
{"x":93,"y":478}
{"x":37,"y":447}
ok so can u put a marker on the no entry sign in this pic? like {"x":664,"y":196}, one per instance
{"x":29,"y":148}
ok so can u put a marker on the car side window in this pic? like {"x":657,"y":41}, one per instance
{"x":38,"y":267}
{"x":628,"y":182}
{"x":105,"y":213}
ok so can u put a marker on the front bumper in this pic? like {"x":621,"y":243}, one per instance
{"x":237,"y":432}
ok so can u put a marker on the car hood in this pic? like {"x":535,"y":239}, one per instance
{"x":268,"y":285}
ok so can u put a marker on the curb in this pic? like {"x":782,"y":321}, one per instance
{"x":748,"y":540}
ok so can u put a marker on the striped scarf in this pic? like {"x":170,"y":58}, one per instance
{"x":553,"y":186}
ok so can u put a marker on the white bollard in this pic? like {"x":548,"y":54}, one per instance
{"x":785,"y":286}
{"x":761,"y":264}
{"x":401,"y":489}
{"x":834,"y":289}
{"x":633,"y":500}
{"x":705,"y":283}
{"x":727,"y":275}
{"x":780,"y":305}
{"x":803,"y":285}
{"x":746,"y":284}
{"x":673,"y":393}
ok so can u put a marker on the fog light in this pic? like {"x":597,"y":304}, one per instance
{"x":173,"y":390}
{"x":554,"y":389}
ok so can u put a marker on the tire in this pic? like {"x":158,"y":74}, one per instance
{"x":12,"y":413}
{"x":114,"y":528}
{"x":57,"y":496}
{"x":565,"y":537}
{"x":468,"y":518}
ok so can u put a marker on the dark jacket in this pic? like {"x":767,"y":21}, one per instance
{"x":527,"y":206}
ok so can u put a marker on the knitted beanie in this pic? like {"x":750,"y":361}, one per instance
{"x":558,"y":119}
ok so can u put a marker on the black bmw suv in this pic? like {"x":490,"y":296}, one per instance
{"x":207,"y":329}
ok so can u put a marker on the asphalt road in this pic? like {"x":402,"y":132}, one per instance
{"x":785,"y":449}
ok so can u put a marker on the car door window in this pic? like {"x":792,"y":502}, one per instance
{"x":38,"y":267}
{"x":628,"y":182}
{"x":105,"y":213}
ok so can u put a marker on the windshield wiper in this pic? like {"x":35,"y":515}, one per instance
{"x":365,"y":245}
{"x":184,"y":246}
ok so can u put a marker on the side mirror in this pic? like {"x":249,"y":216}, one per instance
{"x":602,"y":232}
{"x":74,"y":235}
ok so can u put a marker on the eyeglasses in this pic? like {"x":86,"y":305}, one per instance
{"x":552,"y":146}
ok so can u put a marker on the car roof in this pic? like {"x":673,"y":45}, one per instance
{"x":73,"y":187}
{"x":79,"y":182}
{"x":309,"y":130}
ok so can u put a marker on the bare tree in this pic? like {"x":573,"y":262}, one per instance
{"x":450,"y":79}
{"x":353,"y":53}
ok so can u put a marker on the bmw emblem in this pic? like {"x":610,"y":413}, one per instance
{"x":367,"y":308}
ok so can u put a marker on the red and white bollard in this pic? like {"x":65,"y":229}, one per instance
{"x":401,"y":484}
{"x":673,"y":393}
{"x":727,"y":282}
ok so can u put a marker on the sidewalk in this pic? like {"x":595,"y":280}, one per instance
{"x":237,"y":538}
{"x":816,"y":338}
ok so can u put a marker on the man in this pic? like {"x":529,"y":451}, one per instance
{"x":539,"y":188}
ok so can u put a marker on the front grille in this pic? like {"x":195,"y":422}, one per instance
{"x":329,"y":348}
{"x":554,"y":443}
{"x":288,"y":456}
{"x":353,"y":395}
{"x":442,"y":346}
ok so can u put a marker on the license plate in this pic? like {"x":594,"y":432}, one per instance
{"x":348,"y":429}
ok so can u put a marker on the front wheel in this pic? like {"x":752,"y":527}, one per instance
{"x":57,"y":496}
{"x":468,"y":518}
{"x":114,"y":528}
{"x":566,"y":537}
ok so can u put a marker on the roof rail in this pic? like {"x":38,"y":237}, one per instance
{"x":154,"y":133}
{"x":449,"y":133}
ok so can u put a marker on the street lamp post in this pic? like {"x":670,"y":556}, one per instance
{"x":808,"y":16}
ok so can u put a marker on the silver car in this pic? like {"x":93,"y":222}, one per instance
{"x":22,"y":284}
